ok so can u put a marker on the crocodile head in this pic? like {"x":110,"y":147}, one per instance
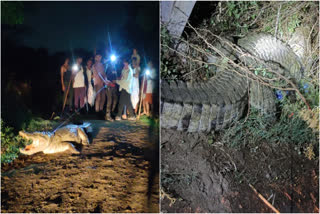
{"x":40,"y":140}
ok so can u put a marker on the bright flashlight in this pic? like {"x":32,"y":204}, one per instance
{"x":75,"y":67}
{"x":113,"y":58}
{"x":148,"y":72}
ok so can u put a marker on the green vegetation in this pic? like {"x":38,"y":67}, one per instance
{"x":39,"y":124}
{"x":12,"y":12}
{"x":294,"y":22}
{"x":238,"y":17}
{"x":10,"y":144}
{"x":235,"y":19}
{"x":295,"y":124}
{"x":152,"y":122}
{"x":11,"y":141}
{"x":290,"y":128}
{"x":168,"y":67}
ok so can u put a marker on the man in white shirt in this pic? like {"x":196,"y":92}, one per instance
{"x":135,"y":86}
{"x":79,"y":86}
{"x":89,"y":87}
{"x":125,"y":91}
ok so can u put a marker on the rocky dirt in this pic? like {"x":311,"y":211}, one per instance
{"x":118,"y":172}
{"x":199,"y":174}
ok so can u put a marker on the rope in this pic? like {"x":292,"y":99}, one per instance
{"x":66,"y":120}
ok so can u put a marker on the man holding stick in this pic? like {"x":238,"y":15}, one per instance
{"x":67,"y":88}
{"x":148,"y":89}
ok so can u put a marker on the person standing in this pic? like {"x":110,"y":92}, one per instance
{"x":148,"y":89}
{"x":125,"y":86}
{"x":88,"y":72}
{"x":88,"y":80}
{"x":79,"y":86}
{"x":135,"y":57}
{"x":135,"y":86}
{"x":66,"y":82}
{"x":99,"y":80}
{"x":112,"y":93}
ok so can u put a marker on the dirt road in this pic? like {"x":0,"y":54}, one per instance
{"x":118,"y":172}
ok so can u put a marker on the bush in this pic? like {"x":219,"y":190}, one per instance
{"x":10,"y":144}
{"x":290,"y":128}
{"x":152,"y":122}
{"x":39,"y":124}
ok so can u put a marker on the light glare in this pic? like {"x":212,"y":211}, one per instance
{"x":75,"y":67}
{"x":113,"y":58}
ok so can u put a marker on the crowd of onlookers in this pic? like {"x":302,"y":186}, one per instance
{"x":98,"y":83}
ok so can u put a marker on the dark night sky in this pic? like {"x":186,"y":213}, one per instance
{"x":60,"y":26}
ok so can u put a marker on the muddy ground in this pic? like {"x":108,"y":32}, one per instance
{"x":197,"y":176}
{"x":118,"y":172}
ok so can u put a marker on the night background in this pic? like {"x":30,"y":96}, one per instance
{"x":36,"y":37}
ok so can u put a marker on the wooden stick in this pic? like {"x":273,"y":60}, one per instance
{"x":141,"y":94}
{"x":264,"y":200}
{"x":277,"y":23}
{"x":65,"y":99}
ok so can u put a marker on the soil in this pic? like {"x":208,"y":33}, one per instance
{"x":199,"y":174}
{"x":117,"y":172}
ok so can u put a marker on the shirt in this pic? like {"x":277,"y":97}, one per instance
{"x":126,"y":79}
{"x":78,"y":78}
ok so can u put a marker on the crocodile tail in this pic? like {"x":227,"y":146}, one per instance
{"x":203,"y":106}
{"x":270,"y":49}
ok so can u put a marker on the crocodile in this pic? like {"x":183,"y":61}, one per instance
{"x":67,"y":138}
{"x":216,"y":103}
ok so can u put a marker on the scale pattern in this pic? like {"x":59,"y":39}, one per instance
{"x":213,"y":105}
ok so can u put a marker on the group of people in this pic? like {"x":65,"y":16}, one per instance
{"x":98,"y":82}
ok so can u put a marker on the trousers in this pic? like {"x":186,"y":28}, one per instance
{"x":125,"y":100}
{"x":79,"y":95}
{"x":112,"y":99}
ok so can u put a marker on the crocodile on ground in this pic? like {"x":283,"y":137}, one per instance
{"x":213,"y":105}
{"x":67,"y":138}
